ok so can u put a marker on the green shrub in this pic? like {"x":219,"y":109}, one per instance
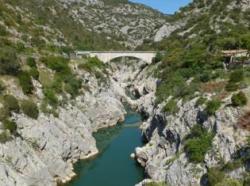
{"x":230,"y":86}
{"x":25,"y":82}
{"x":158,"y":57}
{"x":31,"y":62}
{"x":229,"y":182}
{"x":57,"y":84}
{"x":58,"y":64}
{"x":4,"y":137}
{"x":156,"y":184}
{"x":8,"y":62}
{"x":11,"y":103}
{"x":2,"y":88}
{"x":46,"y":77}
{"x":100,"y":76}
{"x":187,"y":91}
{"x":72,"y":86}
{"x":213,"y":106}
{"x":205,"y":77}
{"x":3,"y":31}
{"x":171,"y":107}
{"x":34,"y":73}
{"x":92,"y":64}
{"x":214,"y":176}
{"x":20,"y":47}
{"x":200,"y":101}
{"x":4,"y":113}
{"x":239,"y":99}
{"x":246,"y":181}
{"x":248,"y":140}
{"x":198,"y":143}
{"x":30,"y":109}
{"x":173,"y":85}
{"x":66,"y":49}
{"x":45,"y":109}
{"x":50,"y":96}
{"x":10,"y":125}
{"x":230,"y":166}
{"x":38,"y":42}
{"x":236,"y":76}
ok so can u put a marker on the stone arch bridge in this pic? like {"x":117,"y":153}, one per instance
{"x":107,"y":56}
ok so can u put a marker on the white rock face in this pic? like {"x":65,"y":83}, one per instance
{"x":243,"y":5}
{"x":164,"y":31}
{"x":128,"y":23}
{"x":163,"y":156}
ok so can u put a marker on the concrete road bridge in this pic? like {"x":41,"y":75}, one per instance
{"x":107,"y":56}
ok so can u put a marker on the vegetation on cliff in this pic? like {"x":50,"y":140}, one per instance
{"x":193,"y":62}
{"x":198,"y":142}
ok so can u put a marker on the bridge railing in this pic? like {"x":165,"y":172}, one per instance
{"x":89,"y":52}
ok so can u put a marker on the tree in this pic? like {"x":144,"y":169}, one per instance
{"x":8,"y":62}
{"x":30,"y":109}
{"x":215,"y":176}
{"x":25,"y":82}
{"x":199,"y":141}
{"x":158,"y":57}
{"x":11,"y":103}
{"x":213,"y":106}
{"x":239,"y":99}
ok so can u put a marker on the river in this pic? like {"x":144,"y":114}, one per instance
{"x":113,"y":165}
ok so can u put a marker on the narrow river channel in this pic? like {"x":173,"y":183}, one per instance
{"x":113,"y":166}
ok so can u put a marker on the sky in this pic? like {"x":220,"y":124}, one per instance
{"x":165,"y":6}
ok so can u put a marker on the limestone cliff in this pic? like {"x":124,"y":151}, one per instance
{"x":45,"y":149}
{"x":164,"y":157}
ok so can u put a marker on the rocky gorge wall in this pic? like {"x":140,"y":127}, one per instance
{"x":163,"y":156}
{"x":45,"y":149}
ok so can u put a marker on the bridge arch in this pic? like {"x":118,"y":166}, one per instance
{"x":107,"y":56}
{"x":120,"y":58}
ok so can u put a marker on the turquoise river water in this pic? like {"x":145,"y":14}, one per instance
{"x":113,"y":166}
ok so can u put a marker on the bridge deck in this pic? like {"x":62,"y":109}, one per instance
{"x":107,"y":56}
{"x":132,"y":52}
